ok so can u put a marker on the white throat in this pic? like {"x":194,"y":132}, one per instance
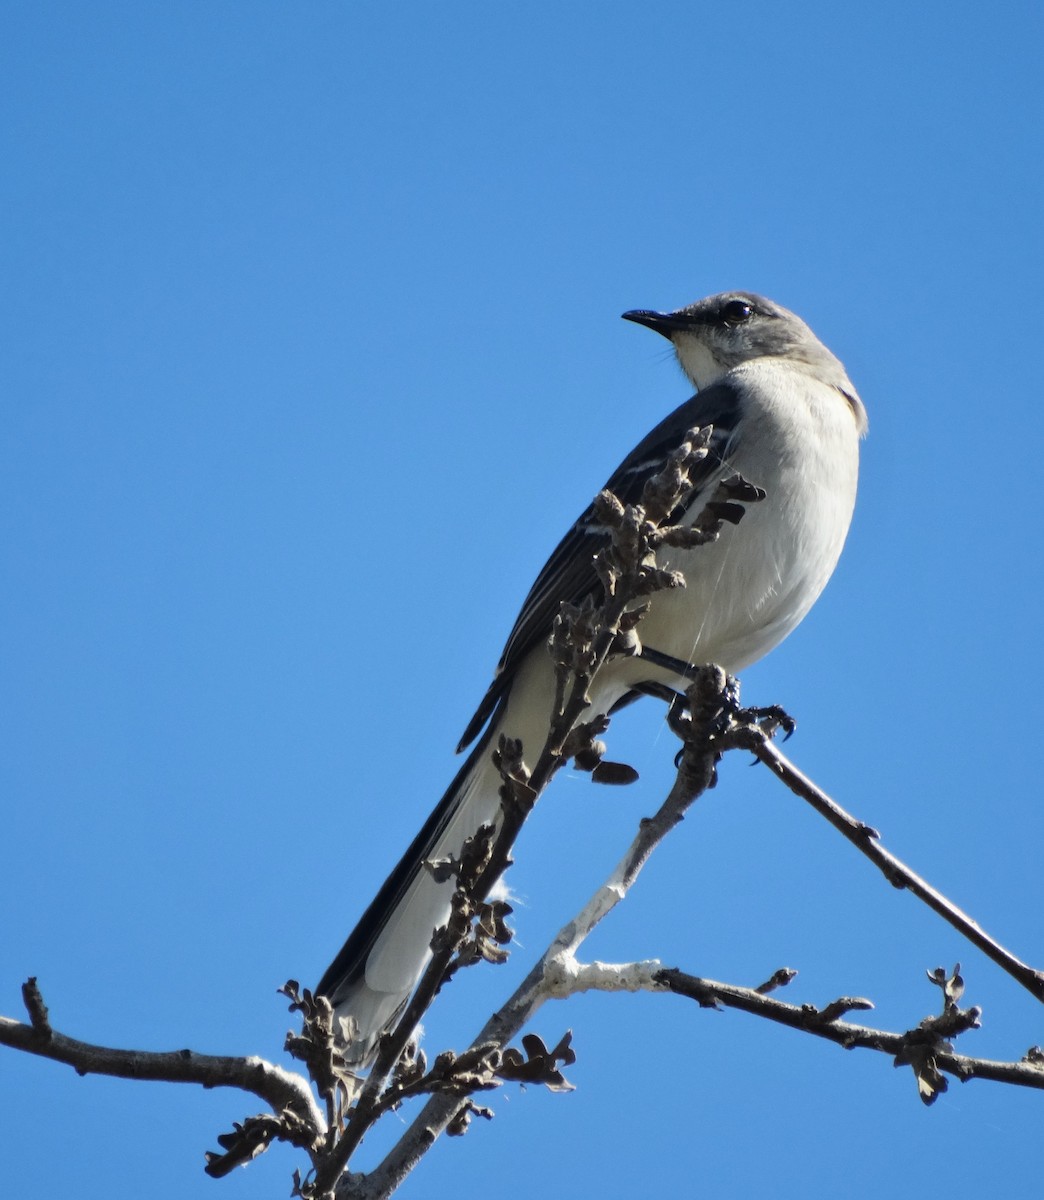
{"x":697,"y":361}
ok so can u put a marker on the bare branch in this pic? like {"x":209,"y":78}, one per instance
{"x":865,"y":839}
{"x":282,"y":1090}
{"x":911,"y":1047}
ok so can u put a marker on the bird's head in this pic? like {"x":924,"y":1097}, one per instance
{"x":721,"y":332}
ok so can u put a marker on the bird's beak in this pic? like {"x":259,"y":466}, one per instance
{"x":667,"y":324}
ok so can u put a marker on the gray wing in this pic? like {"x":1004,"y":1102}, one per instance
{"x":569,"y":574}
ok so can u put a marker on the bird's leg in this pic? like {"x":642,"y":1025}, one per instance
{"x":727,"y":696}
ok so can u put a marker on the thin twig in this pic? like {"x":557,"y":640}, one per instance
{"x":865,"y":839}
{"x":709,"y":993}
{"x":278,"y":1088}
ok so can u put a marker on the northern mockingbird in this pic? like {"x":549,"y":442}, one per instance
{"x":786,"y":417}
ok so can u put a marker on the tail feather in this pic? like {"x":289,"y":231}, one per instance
{"x":375,"y":971}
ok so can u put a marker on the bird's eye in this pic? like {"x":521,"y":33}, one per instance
{"x":736,"y":312}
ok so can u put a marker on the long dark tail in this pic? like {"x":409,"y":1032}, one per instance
{"x":376,"y":969}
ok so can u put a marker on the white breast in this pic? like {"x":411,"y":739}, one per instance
{"x":799,"y":441}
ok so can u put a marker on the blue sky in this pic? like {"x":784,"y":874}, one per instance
{"x":312,"y":352}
